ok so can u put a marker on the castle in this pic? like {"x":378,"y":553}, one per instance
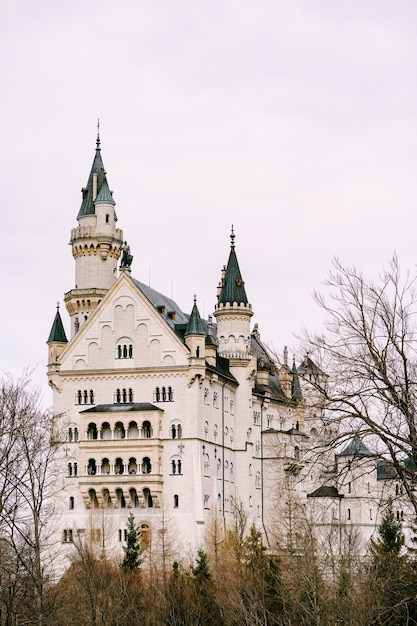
{"x":175,"y":418}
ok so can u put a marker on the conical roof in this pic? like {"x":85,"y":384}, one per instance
{"x":57,"y":331}
{"x":104,"y":195}
{"x":87,"y":205}
{"x":195,"y":325}
{"x":233,"y":286}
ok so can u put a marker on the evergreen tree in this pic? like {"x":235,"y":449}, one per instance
{"x":131,"y":560}
{"x":391,"y":537}
{"x":201,"y":570}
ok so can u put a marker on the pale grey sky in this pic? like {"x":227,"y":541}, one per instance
{"x":295,"y":120}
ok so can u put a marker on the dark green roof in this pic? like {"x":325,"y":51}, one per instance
{"x":104,"y":194}
{"x":325,"y":491}
{"x":355,"y":447}
{"x":57,"y":331}
{"x":87,"y":205}
{"x":119,"y":408}
{"x":195,"y":325}
{"x":233,"y":286}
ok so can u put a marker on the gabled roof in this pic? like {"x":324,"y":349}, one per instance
{"x":87,"y":205}
{"x":195,"y":325}
{"x":57,"y":331}
{"x":233,"y":286}
{"x":325,"y":491}
{"x":163,"y":304}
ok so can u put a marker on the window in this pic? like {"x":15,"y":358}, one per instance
{"x":206,"y":393}
{"x":67,"y":536}
{"x":215,"y":399}
{"x":71,"y":503}
{"x":146,"y":430}
{"x":147,"y":496}
{"x":125,"y":351}
{"x":84,"y":396}
{"x":176,"y":501}
{"x":348,"y":514}
{"x":124,"y":396}
{"x":206,"y":502}
{"x":176,"y":431}
{"x":258,"y":480}
{"x":256,"y":417}
{"x":146,"y":465}
{"x":296,"y":453}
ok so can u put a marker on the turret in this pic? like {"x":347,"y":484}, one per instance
{"x":57,"y":341}
{"x":233,"y":311}
{"x":195,"y":336}
{"x":95,"y":245}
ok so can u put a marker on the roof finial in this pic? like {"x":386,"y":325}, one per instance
{"x":98,"y":134}
{"x":195,"y":299}
{"x":232,"y":238}
{"x":57,"y":306}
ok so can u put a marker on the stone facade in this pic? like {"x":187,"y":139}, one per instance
{"x":180,"y":420}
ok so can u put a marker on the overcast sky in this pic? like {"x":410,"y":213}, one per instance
{"x":293,"y":120}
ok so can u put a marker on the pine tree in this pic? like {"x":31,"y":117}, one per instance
{"x":131,"y":561}
{"x":391,"y":537}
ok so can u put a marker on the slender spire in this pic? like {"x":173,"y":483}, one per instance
{"x":233,"y":286}
{"x":98,"y":135}
{"x":57,"y":331}
{"x":295,"y":384}
{"x":195,"y":325}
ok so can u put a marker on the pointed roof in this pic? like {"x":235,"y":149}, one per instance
{"x":355,"y":447}
{"x":325,"y":491}
{"x":57,"y":331}
{"x":295,"y":384}
{"x":195,"y":325}
{"x":87,"y":205}
{"x":104,"y":195}
{"x":233,"y":286}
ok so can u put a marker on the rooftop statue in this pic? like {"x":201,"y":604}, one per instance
{"x":127,"y":257}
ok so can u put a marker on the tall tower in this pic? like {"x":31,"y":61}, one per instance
{"x":233,"y":311}
{"x":95,"y":245}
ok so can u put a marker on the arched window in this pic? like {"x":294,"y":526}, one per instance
{"x":258,"y":480}
{"x":146,"y":429}
{"x":75,"y":469}
{"x":119,"y":351}
{"x":92,"y":431}
{"x":134,"y":498}
{"x":174,"y":466}
{"x":93,"y":498}
{"x":157,"y":394}
{"x":147,"y":496}
{"x":179,"y":431}
{"x":105,"y":431}
{"x":124,"y":396}
{"x":179,"y":465}
{"x":176,"y":501}
{"x":130,"y":351}
{"x":170,"y":394}
{"x":130,"y":394}
{"x":121,"y":501}
{"x":164,"y":394}
{"x":70,"y":434}
{"x":91,"y":468}
{"x":71,"y":503}
{"x":85,"y":396}
{"x":133,"y":430}
{"x":118,"y":396}
{"x":118,"y":466}
{"x":174,"y":431}
{"x":105,"y":466}
{"x":79,"y":397}
{"x":197,"y":352}
{"x":91,"y":396}
{"x":296,"y":452}
{"x":146,"y":465}
{"x":124,"y":351}
{"x":119,"y":431}
{"x":69,"y":469}
{"x":107,"y":218}
{"x":133,"y":467}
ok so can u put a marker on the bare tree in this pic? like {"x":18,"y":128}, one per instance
{"x":26,"y":453}
{"x":369,"y":349}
